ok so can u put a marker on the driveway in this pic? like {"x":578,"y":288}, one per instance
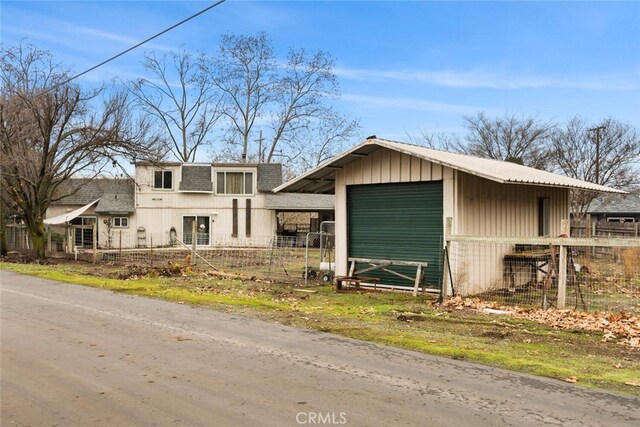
{"x":73,"y":355}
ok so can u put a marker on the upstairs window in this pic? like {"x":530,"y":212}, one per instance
{"x":163,"y":180}
{"x":234,"y":183}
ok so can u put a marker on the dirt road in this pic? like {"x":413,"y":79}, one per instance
{"x":72,"y":355}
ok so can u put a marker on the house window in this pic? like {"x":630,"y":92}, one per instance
{"x":234,"y":183}
{"x":163,"y":180}
{"x":120,"y":222}
{"x":83,"y":230}
{"x":202,"y":230}
{"x":544,"y":217}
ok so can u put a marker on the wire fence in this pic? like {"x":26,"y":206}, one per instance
{"x":584,"y":274}
{"x":284,"y":259}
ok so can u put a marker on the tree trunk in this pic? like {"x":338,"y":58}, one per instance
{"x":38,"y":240}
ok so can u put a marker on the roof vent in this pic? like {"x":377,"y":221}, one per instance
{"x":372,"y":137}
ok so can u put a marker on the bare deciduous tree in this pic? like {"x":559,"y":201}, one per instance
{"x":607,"y":153}
{"x":51,"y":129}
{"x":329,"y":134}
{"x":244,"y":73}
{"x":180,"y":97}
{"x":289,"y":99}
{"x":522,"y":140}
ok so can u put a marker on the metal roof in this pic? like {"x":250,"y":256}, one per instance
{"x":321,"y":179}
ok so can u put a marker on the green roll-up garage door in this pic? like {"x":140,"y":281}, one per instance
{"x":397,"y":222}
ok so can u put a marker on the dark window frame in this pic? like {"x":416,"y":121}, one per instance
{"x":161,"y":178}
{"x":119,"y":219}
{"x":222,"y":183}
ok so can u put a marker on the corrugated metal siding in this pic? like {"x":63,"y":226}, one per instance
{"x":400,"y":221}
{"x":487,"y":208}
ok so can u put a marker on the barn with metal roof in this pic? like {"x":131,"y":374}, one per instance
{"x":399,"y":202}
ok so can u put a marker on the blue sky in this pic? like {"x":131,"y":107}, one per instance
{"x":404,"y":67}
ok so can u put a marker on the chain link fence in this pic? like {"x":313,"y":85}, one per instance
{"x":584,"y":274}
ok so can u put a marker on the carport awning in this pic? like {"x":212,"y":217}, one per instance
{"x":61,"y":219}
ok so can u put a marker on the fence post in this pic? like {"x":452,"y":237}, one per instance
{"x":562,"y":277}
{"x":194,"y":237}
{"x":120,"y":245}
{"x":49,"y":239}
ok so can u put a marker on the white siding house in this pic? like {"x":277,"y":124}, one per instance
{"x":230,"y":204}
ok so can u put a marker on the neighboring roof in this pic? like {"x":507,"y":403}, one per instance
{"x":269,"y":176}
{"x":300,"y":202}
{"x":66,"y":217}
{"x":196,"y":178}
{"x":116,"y":204}
{"x":116,"y":194}
{"x":617,"y":204}
{"x":322,"y":178}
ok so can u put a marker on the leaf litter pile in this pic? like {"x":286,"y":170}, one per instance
{"x":622,"y":327}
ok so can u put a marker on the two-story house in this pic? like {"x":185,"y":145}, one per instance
{"x":227,"y":203}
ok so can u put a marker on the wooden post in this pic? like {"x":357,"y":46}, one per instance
{"x":49,"y":239}
{"x":417,"y":282}
{"x":94,"y":227}
{"x":562,"y":277}
{"x":194,"y":238}
{"x":120,"y":244}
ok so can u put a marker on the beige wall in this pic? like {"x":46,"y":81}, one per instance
{"x":159,"y":210}
{"x":488,"y":208}
{"x":126,"y":235}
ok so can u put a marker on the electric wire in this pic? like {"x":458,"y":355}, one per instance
{"x":70,"y":79}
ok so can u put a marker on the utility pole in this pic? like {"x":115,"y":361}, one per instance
{"x":597,"y":131}
{"x":260,"y":156}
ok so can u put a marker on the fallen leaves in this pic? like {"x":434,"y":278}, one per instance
{"x":622,"y":327}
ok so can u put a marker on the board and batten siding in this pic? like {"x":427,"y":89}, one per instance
{"x":381,"y":167}
{"x":158,"y":210}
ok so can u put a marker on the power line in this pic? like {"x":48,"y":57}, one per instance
{"x":206,"y":9}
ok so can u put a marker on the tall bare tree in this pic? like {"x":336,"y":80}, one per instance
{"x":180,"y":97}
{"x":329,"y":134}
{"x":606,"y":153}
{"x":285,"y":100}
{"x":244,"y":72}
{"x":52,"y":129}
{"x":511,"y":138}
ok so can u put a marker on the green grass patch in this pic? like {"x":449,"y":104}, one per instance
{"x":395,"y":319}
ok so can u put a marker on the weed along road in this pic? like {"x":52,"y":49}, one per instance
{"x":79,"y":356}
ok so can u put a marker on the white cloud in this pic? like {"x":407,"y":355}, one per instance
{"x":478,"y":78}
{"x":411,"y":104}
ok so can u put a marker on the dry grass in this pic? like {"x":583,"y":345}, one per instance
{"x":631,"y":262}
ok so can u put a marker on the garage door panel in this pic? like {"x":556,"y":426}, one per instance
{"x":397,"y":222}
